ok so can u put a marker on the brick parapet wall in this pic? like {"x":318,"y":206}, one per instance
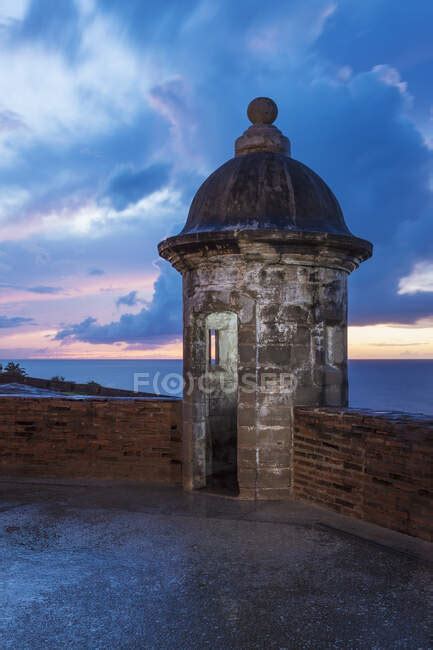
{"x":137,"y":439}
{"x":371,"y":465}
{"x":374,"y":466}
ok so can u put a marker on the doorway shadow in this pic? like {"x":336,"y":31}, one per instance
{"x":223,"y":483}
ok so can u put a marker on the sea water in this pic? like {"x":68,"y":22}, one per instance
{"x":402,"y":385}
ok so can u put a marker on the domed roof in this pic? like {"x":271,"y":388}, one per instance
{"x":265,"y":190}
{"x":263,"y":187}
{"x":264,"y":200}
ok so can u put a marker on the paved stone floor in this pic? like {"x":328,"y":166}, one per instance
{"x":105,"y":566}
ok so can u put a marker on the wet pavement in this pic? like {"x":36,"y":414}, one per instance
{"x":107,"y":565}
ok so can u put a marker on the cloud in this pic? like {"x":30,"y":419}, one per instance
{"x":420,"y":280}
{"x":89,"y":217}
{"x":128,"y":185}
{"x":291,"y":33}
{"x":69,"y":74}
{"x":161,"y":320}
{"x":130,"y":299}
{"x":366,"y":147}
{"x":391,"y":77}
{"x":174,"y":101}
{"x":10,"y":121}
{"x":12,"y":11}
{"x":40,"y":289}
{"x":44,"y":289}
{"x":53,"y":26}
{"x":95,"y":271}
{"x":12,"y":199}
{"x":13,"y":321}
{"x":383,"y":344}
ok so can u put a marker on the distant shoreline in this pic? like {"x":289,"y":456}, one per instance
{"x":71,"y":387}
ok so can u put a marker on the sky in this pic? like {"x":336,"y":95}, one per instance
{"x":113,"y":113}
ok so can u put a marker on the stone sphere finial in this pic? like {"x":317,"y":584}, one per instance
{"x":262,"y":110}
{"x":262,"y":135}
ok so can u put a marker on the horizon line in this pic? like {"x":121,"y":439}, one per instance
{"x":181,"y":359}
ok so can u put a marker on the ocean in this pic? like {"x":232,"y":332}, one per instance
{"x":386,"y":385}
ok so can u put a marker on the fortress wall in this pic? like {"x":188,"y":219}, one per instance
{"x":372,"y":465}
{"x":137,"y":439}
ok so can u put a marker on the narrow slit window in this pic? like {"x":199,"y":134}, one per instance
{"x":214,"y":348}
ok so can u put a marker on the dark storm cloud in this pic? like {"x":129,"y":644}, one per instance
{"x":374,"y":158}
{"x":364,"y":34}
{"x":333,"y":69}
{"x":128,"y":185}
{"x":161,"y":319}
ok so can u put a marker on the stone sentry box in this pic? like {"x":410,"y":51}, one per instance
{"x":264,"y":255}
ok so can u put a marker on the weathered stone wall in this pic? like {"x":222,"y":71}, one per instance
{"x":292,"y":350}
{"x":135,"y":439}
{"x":374,"y":466}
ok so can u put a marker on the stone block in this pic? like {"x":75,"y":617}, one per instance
{"x":246,"y":477}
{"x":247,"y":436}
{"x":274,"y":477}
